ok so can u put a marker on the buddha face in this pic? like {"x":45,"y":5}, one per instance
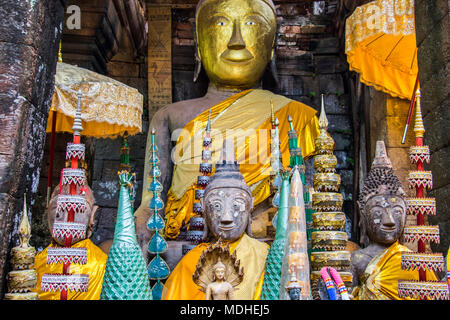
{"x":219,"y":273}
{"x":227,"y":212}
{"x":235,"y":41}
{"x":385,"y":218}
{"x":295,"y":293}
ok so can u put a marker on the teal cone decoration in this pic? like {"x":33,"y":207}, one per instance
{"x":296,"y":160}
{"x":157,"y":269}
{"x":274,"y":261}
{"x":125,"y":273}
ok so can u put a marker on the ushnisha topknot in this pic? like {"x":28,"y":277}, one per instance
{"x":227,"y":172}
{"x":381,"y":178}
{"x":203,"y":2}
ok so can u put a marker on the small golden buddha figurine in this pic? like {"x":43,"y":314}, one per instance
{"x":23,"y":278}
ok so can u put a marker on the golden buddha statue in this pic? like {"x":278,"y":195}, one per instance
{"x":235,"y":42}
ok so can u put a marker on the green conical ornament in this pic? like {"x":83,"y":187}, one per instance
{"x":274,"y":261}
{"x":125,"y":273}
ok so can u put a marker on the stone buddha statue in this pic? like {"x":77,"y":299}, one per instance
{"x":376,"y":268}
{"x":95,"y":258}
{"x":235,"y":43}
{"x":227,"y":204}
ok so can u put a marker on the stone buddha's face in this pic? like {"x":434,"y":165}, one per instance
{"x":235,"y":41}
{"x":227,"y":212}
{"x":219,"y":273}
{"x":385,"y":218}
{"x":295,"y":293}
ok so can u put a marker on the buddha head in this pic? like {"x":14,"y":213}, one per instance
{"x":86,"y":219}
{"x":235,"y":40}
{"x":227,"y":200}
{"x":219,"y":271}
{"x":381,"y":202}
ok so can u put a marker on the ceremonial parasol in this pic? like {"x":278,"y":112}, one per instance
{"x":109,"y":108}
{"x":380,"y":43}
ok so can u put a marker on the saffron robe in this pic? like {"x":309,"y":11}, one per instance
{"x":380,"y":279}
{"x":252,"y":255}
{"x":95,"y":268}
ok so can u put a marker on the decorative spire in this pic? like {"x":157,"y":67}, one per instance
{"x":272,"y":270}
{"x":328,"y":240}
{"x":24,"y":228}
{"x":324,"y":143}
{"x":125,"y":272}
{"x":125,"y":153}
{"x":419,"y":129}
{"x":157,"y":268}
{"x":22,"y":278}
{"x":124,"y":230}
{"x":59,"y":52}
{"x":77,"y":125}
{"x":208,"y":125}
{"x":323,"y":121}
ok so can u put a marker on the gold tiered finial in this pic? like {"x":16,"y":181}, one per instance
{"x":59,"y":52}
{"x":419,"y":129}
{"x":24,"y":228}
{"x":324,"y":143}
{"x":323,"y":121}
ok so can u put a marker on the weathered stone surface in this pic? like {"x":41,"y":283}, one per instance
{"x":437,"y":126}
{"x":431,"y":60}
{"x":325,"y":46}
{"x":327,"y":64}
{"x":331,"y":83}
{"x":30,"y":33}
{"x":439,"y":167}
{"x":442,"y":217}
{"x":431,"y":13}
{"x":346,"y":184}
{"x":106,"y":192}
{"x":105,"y":222}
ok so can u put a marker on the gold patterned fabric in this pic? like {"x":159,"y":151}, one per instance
{"x":380,"y":279}
{"x":252,"y":255}
{"x":95,"y":268}
{"x":380,"y":43}
{"x":108,"y":107}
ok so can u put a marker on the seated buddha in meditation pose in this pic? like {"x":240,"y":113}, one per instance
{"x":377,"y":267}
{"x":227,"y":204}
{"x":95,"y":257}
{"x":235,"y":42}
